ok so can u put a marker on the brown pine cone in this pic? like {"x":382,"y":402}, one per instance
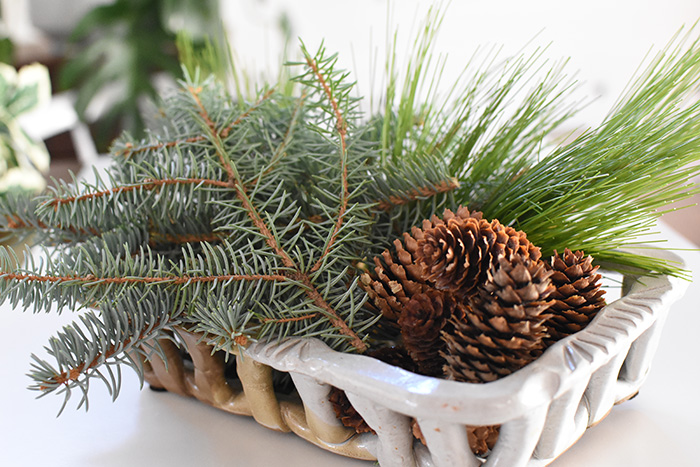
{"x":451,"y":249}
{"x":397,"y":278}
{"x":503,"y":328}
{"x":397,"y":275}
{"x":482,"y":438}
{"x":421,"y":323}
{"x":457,"y":252}
{"x":508,"y":242}
{"x":344,"y":411}
{"x":577,"y":296}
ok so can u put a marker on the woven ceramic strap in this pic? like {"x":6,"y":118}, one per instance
{"x":252,"y":394}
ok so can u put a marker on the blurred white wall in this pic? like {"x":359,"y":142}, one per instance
{"x":605,"y":40}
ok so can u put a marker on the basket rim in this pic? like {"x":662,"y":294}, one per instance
{"x":558,"y":369}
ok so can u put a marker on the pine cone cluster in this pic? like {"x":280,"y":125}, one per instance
{"x":473,"y":300}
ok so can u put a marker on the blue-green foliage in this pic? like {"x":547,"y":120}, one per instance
{"x":235,"y":219}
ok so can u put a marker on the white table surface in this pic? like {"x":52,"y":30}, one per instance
{"x":145,"y":428}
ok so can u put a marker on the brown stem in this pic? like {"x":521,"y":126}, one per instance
{"x":15,"y":222}
{"x":130,"y":149}
{"x":143,"y":280}
{"x":341,"y":128}
{"x":202,"y":112}
{"x":157,"y":237}
{"x":149,"y":184}
{"x":421,"y":192}
{"x":74,"y":373}
{"x":291,"y":320}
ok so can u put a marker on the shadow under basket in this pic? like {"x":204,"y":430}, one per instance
{"x":542,"y":409}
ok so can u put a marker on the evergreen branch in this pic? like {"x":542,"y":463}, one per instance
{"x":123,"y":331}
{"x":341,"y":128}
{"x":159,"y":237}
{"x":410,"y":111}
{"x":76,"y":372}
{"x":340,"y":124}
{"x":181,"y":280}
{"x":414,"y":194}
{"x":148,"y":184}
{"x":223,"y":159}
{"x":296,"y":274}
{"x":248,"y":206}
{"x":608,"y":187}
{"x":21,"y":221}
{"x":15,"y":222}
{"x":130,"y":149}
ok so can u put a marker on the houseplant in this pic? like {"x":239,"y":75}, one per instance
{"x":300,"y":217}
{"x":23,"y":161}
{"x":117,"y":49}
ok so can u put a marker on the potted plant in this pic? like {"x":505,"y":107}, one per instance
{"x":117,"y":53}
{"x":244,"y":252}
{"x":23,"y":161}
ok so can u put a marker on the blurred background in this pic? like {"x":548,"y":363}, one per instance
{"x":107,"y":58}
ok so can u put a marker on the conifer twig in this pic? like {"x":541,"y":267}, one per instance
{"x":66,"y":377}
{"x":177,"y":280}
{"x":396,"y":200}
{"x":260,"y":224}
{"x":130,"y":149}
{"x":341,"y":128}
{"x":14,"y":222}
{"x":149,"y":184}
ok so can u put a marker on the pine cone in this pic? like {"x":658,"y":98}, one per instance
{"x":397,"y":278}
{"x":503,"y":329}
{"x":457,"y":252}
{"x":344,"y":411}
{"x":421,"y":323}
{"x":577,"y":297}
{"x":482,"y":438}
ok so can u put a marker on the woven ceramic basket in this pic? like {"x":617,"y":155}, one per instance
{"x":542,"y":409}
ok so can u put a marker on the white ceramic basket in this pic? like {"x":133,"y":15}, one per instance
{"x":542,"y":409}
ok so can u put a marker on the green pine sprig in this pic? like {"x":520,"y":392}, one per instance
{"x":607,"y":188}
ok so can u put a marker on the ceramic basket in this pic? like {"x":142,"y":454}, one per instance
{"x":542,"y":409}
